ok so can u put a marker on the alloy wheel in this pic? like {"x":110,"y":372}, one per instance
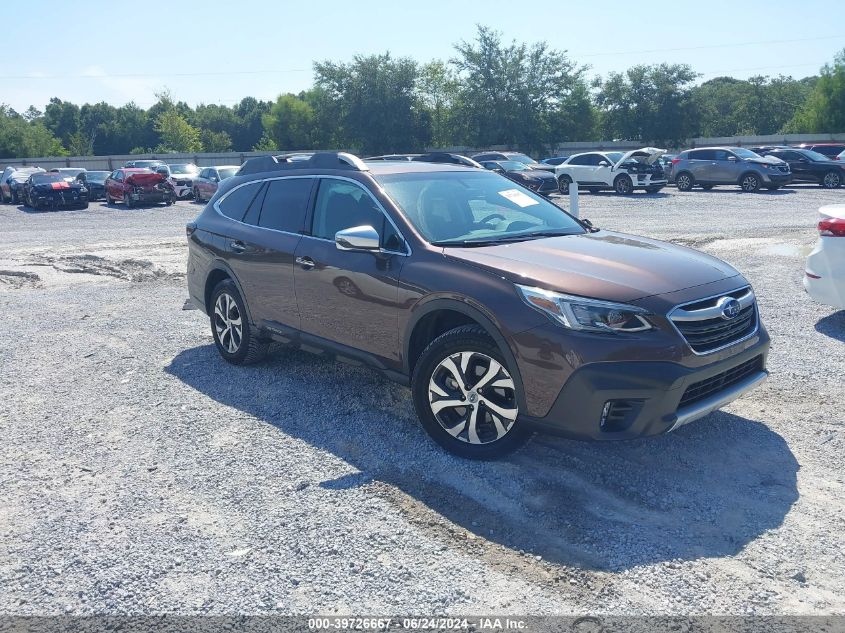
{"x":624,"y":186}
{"x":831,"y":180}
{"x":228,"y":323}
{"x":683,"y":182}
{"x":749,"y":183}
{"x":473,"y":397}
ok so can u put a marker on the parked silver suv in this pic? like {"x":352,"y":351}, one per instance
{"x":710,"y":166}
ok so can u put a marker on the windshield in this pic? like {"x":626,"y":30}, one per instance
{"x":815,"y":156}
{"x":184,"y":168}
{"x":614,"y":157}
{"x":147,"y":163}
{"x":461,"y":208}
{"x":40,"y":179}
{"x":227,"y":172}
{"x":745,"y":153}
{"x":97,"y":176}
{"x":512,"y":165}
{"x":522,"y":158}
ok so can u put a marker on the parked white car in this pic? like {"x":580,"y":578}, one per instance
{"x":181,"y":176}
{"x":623,"y":172}
{"x":824,"y":277}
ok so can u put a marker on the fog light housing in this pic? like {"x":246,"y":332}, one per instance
{"x":619,"y":415}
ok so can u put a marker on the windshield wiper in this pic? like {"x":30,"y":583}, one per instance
{"x":521,"y":237}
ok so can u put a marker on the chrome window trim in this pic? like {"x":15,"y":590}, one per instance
{"x":721,"y":294}
{"x":252,"y":182}
{"x":305,"y":233}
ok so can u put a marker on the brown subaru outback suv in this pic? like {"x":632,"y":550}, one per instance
{"x":503,"y":313}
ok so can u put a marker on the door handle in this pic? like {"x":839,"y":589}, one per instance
{"x":237,"y":246}
{"x":306,"y":262}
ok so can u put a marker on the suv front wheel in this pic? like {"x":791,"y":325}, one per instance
{"x":233,"y":335}
{"x":750,"y":182}
{"x":465,"y":395}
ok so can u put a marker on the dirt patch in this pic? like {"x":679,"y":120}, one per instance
{"x":135,"y":270}
{"x":19,"y":279}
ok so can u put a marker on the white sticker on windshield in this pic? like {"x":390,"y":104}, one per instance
{"x":518,"y":197}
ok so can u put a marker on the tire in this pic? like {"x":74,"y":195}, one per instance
{"x":707,"y":187}
{"x":563,"y":183}
{"x":684,"y":181}
{"x":749,"y":182}
{"x":108,"y":199}
{"x":197,"y":197}
{"x":623,"y":185}
{"x":233,"y":335}
{"x":126,"y":200}
{"x":831,"y":180}
{"x":13,"y":196}
{"x":475,"y":431}
{"x":83,"y":206}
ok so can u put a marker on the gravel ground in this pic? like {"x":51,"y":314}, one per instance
{"x":142,"y":474}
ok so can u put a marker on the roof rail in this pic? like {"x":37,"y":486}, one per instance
{"x":303,"y":160}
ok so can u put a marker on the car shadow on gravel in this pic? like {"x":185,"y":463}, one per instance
{"x":707,"y":490}
{"x":833,"y":325}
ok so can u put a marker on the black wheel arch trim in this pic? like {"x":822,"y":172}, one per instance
{"x":479,"y":317}
{"x":219,"y":264}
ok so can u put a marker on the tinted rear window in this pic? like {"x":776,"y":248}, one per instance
{"x":235,"y":204}
{"x":285,"y":203}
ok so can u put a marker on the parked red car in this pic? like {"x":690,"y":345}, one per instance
{"x":138,"y":186}
{"x":205,"y":185}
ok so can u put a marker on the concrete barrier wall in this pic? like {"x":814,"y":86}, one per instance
{"x":237,"y":158}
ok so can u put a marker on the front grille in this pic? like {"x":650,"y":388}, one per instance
{"x":701,"y":390}
{"x":783,"y":168}
{"x":712,"y":331}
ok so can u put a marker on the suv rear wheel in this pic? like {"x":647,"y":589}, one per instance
{"x":233,"y":335}
{"x":465,"y":395}
{"x":684,"y":181}
{"x":831,"y":180}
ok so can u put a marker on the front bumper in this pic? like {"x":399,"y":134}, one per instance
{"x":150,"y":197}
{"x":649,"y":397}
{"x":57,"y":201}
{"x":776,"y":178}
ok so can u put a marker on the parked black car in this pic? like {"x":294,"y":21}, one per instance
{"x":95,"y":181}
{"x":519,"y":157}
{"x":831,"y":150}
{"x":537,"y":180}
{"x":810,"y":166}
{"x":53,"y":191}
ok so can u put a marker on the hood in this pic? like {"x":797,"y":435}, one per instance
{"x":602,"y":265}
{"x":767,"y":160}
{"x":532,"y":174}
{"x":145,"y":179}
{"x":647,"y":155}
{"x":61,"y":184}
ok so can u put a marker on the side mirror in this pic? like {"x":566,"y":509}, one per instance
{"x":214,"y":179}
{"x":604,"y":163}
{"x":499,"y":170}
{"x":357,"y":238}
{"x":733,"y":158}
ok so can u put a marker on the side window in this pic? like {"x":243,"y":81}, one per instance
{"x":284,"y":204}
{"x":341,"y":205}
{"x":788,"y":155}
{"x":581,"y":160}
{"x":119,"y":175}
{"x":703,"y":154}
{"x":720,"y":154}
{"x":204,"y":173}
{"x":237,"y":201}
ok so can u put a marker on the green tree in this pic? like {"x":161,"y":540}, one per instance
{"x":62,"y":119}
{"x":647,"y":103}
{"x":215,"y":141}
{"x":824,"y":110}
{"x":290,"y":123}
{"x":177,"y":135}
{"x":376,"y":101}
{"x":20,"y":138}
{"x":250,"y":127}
{"x":438,"y":90}
{"x":265,"y":144}
{"x":512,"y":94}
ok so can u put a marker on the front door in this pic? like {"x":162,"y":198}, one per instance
{"x":349,"y":297}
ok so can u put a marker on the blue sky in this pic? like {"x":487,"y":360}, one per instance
{"x":265,"y":48}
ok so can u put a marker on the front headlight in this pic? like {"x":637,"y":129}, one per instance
{"x":591,"y":315}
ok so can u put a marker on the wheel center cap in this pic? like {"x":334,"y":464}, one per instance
{"x":472,"y":396}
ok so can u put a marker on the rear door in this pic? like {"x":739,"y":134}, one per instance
{"x":700,"y":162}
{"x":799,"y":164}
{"x":261,"y":246}
{"x":350,"y":297}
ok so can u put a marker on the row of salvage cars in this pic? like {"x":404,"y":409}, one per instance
{"x":137,"y":183}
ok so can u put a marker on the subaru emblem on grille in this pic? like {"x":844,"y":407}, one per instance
{"x":730,"y":307}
